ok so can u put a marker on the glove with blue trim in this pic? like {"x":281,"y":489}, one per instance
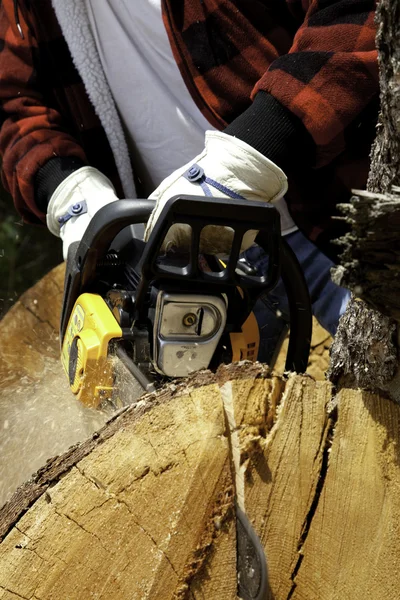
{"x":74,"y":203}
{"x":227,"y":168}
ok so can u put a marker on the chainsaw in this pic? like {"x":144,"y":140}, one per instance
{"x":169,"y":314}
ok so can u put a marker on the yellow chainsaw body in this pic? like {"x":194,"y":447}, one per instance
{"x":84,"y":353}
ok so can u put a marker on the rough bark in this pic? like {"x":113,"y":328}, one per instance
{"x":370,"y":260}
{"x":371,"y":250}
{"x":385,"y":158}
{"x":363,"y":354}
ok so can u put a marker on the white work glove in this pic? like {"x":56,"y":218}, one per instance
{"x":74,"y":203}
{"x":234,"y":165}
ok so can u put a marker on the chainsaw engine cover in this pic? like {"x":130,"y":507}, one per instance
{"x":187,"y":330}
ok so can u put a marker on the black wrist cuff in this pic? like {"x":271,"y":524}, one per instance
{"x":274,"y":131}
{"x":49,"y":177}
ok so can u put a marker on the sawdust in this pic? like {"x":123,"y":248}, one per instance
{"x":39,"y":420}
{"x":39,"y":416}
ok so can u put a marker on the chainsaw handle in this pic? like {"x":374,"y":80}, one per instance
{"x":108,"y":222}
{"x":198,"y":212}
{"x":299,"y":308}
{"x":84,"y":256}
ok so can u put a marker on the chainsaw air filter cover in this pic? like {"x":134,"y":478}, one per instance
{"x":84,"y":352}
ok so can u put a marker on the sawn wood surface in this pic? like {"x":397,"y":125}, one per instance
{"x":144,"y":507}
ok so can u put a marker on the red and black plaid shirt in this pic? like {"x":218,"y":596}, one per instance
{"x":316,"y":57}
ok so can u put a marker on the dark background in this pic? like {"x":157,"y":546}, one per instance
{"x":27,"y":252}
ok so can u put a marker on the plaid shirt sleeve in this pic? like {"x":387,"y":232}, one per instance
{"x":31,"y":131}
{"x":330,"y":73}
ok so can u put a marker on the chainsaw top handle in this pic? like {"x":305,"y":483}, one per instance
{"x":198,"y":213}
{"x":85,"y":257}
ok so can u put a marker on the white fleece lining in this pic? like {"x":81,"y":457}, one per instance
{"x":74,"y":22}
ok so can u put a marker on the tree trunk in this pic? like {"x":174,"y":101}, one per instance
{"x":385,"y":167}
{"x":370,"y":260}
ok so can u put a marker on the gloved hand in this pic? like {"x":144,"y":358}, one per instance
{"x":226,"y":168}
{"x":74,"y":203}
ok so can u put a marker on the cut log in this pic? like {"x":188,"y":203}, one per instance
{"x":144,"y":509}
{"x":352,"y":546}
{"x":131,"y":513}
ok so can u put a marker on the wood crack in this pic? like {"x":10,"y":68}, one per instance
{"x":27,"y":548}
{"x":326,"y":444}
{"x":91,"y":533}
{"x":147,"y":533}
{"x":116,"y":498}
{"x":5,"y":589}
{"x":37,"y":317}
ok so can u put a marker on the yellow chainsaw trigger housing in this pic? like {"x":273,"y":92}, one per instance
{"x":84,"y":353}
{"x":245,"y":343}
